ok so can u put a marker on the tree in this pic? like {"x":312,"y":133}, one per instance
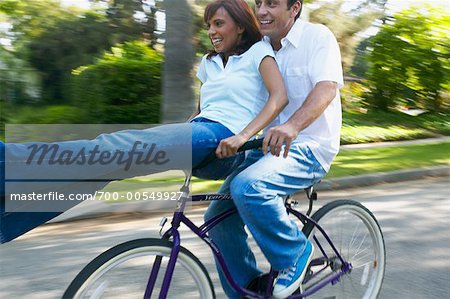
{"x":123,"y":86}
{"x":409,"y":60}
{"x":19,"y":83}
{"x":178,"y":95}
{"x":55,"y":40}
{"x":72,"y":42}
{"x":360,"y":64}
{"x":347,"y":22}
{"x":129,"y":19}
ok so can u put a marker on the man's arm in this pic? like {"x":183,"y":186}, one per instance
{"x":315,"y":104}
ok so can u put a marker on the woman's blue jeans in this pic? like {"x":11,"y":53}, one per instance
{"x":258,"y":187}
{"x":175,"y":146}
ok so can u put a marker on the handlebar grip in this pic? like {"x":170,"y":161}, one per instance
{"x":256,"y":143}
{"x":252,"y":144}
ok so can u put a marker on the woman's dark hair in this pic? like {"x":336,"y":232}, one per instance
{"x":243,"y":16}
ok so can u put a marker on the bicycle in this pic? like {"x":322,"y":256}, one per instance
{"x":350,"y":255}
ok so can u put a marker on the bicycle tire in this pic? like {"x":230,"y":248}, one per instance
{"x":356,"y":234}
{"x":131,"y":262}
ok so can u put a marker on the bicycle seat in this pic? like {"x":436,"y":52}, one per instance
{"x":310,"y":192}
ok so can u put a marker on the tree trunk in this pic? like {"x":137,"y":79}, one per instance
{"x":178,"y":96}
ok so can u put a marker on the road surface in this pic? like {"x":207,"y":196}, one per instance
{"x":414,"y":216}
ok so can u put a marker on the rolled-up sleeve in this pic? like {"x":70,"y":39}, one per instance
{"x":325,"y":64}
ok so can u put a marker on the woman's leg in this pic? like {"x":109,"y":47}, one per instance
{"x":114,"y":156}
{"x":84,"y":166}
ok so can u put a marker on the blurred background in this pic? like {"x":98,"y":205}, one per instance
{"x":134,"y":62}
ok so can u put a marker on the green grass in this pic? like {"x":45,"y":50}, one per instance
{"x":378,"y":126}
{"x":365,"y":161}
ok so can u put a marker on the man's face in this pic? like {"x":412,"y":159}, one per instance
{"x":275,"y":18}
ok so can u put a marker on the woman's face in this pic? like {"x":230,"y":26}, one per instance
{"x":223,"y":32}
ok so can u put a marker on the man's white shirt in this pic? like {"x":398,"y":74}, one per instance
{"x":310,"y":54}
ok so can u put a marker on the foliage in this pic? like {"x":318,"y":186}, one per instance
{"x":122,"y":19}
{"x":73,"y":42}
{"x":410,"y":59}
{"x":360,"y":64}
{"x":54,"y":114}
{"x":34,"y":114}
{"x":28,"y":20}
{"x":352,"y":95}
{"x":19,"y":83}
{"x":123,"y":86}
{"x":346,"y":20}
{"x":55,"y":39}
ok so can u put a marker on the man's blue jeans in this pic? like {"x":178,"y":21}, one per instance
{"x":258,"y":187}
{"x":185,"y":145}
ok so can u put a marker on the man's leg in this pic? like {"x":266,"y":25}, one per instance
{"x":258,"y":193}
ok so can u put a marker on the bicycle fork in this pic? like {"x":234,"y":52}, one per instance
{"x":170,"y":267}
{"x":172,"y":232}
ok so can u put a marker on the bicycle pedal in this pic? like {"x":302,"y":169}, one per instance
{"x":291,"y":201}
{"x":258,"y":285}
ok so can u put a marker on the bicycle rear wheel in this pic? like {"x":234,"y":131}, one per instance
{"x":123,"y":272}
{"x":357,"y":236}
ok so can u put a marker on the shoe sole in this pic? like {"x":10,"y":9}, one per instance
{"x":289,"y":290}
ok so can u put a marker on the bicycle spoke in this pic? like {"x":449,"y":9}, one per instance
{"x":356,"y":235}
{"x":123,"y":272}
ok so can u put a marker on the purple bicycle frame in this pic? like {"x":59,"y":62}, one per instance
{"x":201,"y":231}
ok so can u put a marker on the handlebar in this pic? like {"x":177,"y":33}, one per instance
{"x":252,"y":144}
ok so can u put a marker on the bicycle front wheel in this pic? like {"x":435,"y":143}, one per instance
{"x":123,"y":272}
{"x":357,"y":236}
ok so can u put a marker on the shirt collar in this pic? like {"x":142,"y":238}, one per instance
{"x":218,"y":59}
{"x":295,"y":33}
{"x":293,"y":36}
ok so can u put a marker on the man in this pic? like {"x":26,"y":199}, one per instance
{"x":301,"y":147}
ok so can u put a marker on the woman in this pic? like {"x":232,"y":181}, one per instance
{"x":242,"y":92}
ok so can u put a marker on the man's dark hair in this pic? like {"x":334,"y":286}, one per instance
{"x":292,"y":2}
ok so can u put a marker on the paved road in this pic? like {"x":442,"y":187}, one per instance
{"x":415,"y":218}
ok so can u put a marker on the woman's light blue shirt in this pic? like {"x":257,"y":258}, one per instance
{"x":233,"y":95}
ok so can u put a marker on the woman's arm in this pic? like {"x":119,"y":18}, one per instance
{"x":274,"y":105}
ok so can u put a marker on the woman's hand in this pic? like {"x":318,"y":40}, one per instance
{"x":228,"y":147}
